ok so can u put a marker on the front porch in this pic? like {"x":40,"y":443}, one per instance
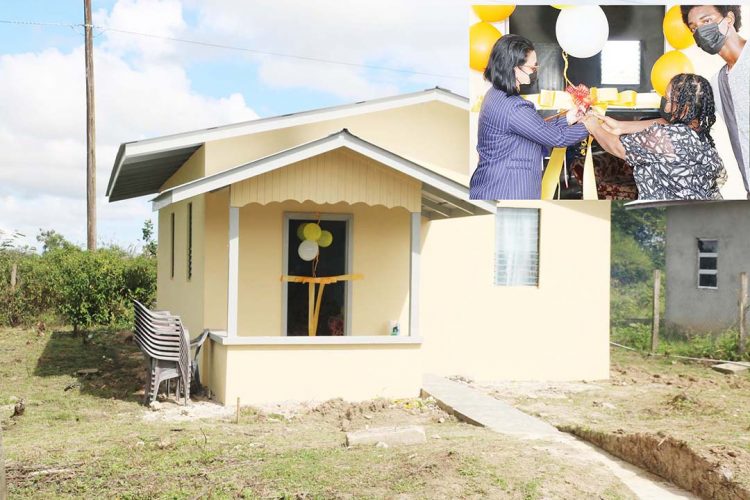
{"x":264,"y":345}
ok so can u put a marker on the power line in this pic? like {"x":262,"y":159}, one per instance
{"x":236,"y":48}
{"x":36,"y":23}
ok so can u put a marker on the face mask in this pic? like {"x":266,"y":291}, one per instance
{"x":662,"y":112}
{"x":710,"y":38}
{"x":532,"y":77}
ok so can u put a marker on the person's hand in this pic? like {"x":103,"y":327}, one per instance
{"x":574,"y":115}
{"x":591,"y":123}
{"x":611,"y":125}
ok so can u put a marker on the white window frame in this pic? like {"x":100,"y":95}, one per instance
{"x":346,"y":217}
{"x":702,"y":272}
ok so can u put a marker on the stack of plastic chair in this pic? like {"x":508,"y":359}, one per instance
{"x":166,"y":345}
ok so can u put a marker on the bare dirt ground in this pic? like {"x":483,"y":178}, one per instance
{"x":88,"y":436}
{"x":684,"y":422}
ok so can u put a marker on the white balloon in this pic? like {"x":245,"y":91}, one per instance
{"x":583,"y":31}
{"x":308,"y":250}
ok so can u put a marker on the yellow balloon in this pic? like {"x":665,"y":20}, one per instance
{"x":312,"y":231}
{"x":482,"y":37}
{"x":666,"y":67}
{"x":300,"y":231}
{"x":677,"y":34}
{"x":562,"y":7}
{"x":325,"y":240}
{"x":493,"y":13}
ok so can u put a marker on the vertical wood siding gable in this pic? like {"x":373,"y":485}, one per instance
{"x":336,"y":176}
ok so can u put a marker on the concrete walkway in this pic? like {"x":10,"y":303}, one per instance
{"x":473,"y":406}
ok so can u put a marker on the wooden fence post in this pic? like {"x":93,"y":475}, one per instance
{"x":655,"y":326}
{"x":13,"y":276}
{"x":743,"y":314}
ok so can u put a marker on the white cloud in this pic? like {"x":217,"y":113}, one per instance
{"x":42,"y":124}
{"x":156,"y":17}
{"x":417,"y":35}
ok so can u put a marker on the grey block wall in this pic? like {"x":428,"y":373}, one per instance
{"x":689,"y":308}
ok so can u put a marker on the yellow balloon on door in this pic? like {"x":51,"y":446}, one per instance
{"x":677,"y":34}
{"x":325,"y":240}
{"x":666,"y":67}
{"x":301,"y":231}
{"x":312,"y":231}
{"x":482,"y":37}
{"x":493,"y":13}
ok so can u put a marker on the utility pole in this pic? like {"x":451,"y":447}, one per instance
{"x":90,"y":132}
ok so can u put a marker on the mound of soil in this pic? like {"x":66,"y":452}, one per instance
{"x":674,"y":460}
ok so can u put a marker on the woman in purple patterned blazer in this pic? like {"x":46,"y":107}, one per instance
{"x":513,"y":138}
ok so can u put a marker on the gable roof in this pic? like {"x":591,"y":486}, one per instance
{"x":142,"y":167}
{"x":442,"y":197}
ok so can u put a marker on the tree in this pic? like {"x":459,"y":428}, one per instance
{"x":52,"y":240}
{"x":89,"y":286}
{"x":8,"y":239}
{"x":647,"y":226}
{"x":149,"y":245}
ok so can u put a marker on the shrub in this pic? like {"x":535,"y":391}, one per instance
{"x":32,"y":295}
{"x":82,"y":288}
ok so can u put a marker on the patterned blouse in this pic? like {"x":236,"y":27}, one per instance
{"x":672,"y":162}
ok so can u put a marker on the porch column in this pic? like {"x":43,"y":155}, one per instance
{"x":234,"y":266}
{"x":416,"y":241}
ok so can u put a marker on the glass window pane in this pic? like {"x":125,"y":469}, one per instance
{"x":708,"y":246}
{"x":621,"y":62}
{"x":708,"y":263}
{"x":708,"y":280}
{"x":517,"y":247}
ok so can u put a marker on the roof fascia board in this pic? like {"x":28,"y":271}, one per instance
{"x":118,"y":165}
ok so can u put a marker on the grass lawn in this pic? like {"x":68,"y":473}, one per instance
{"x":88,"y":436}
{"x":693,"y":419}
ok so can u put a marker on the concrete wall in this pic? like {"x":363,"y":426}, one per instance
{"x":558,"y":330}
{"x":688,"y":307}
{"x":263,"y":374}
{"x":178,"y":294}
{"x":216,"y":259}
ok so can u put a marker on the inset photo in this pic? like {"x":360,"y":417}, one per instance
{"x":611,"y":102}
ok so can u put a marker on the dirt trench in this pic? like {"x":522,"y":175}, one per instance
{"x":669,"y":458}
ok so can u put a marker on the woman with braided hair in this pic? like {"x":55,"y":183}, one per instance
{"x":673,"y":157}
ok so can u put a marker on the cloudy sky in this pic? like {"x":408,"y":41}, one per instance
{"x":148,"y":86}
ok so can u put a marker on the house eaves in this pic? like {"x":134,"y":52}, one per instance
{"x":442,"y":197}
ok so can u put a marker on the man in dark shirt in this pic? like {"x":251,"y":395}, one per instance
{"x":715,"y":29}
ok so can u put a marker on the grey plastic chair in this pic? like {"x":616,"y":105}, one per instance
{"x":165,"y":343}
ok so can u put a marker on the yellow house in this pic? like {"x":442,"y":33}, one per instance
{"x":430,"y":281}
